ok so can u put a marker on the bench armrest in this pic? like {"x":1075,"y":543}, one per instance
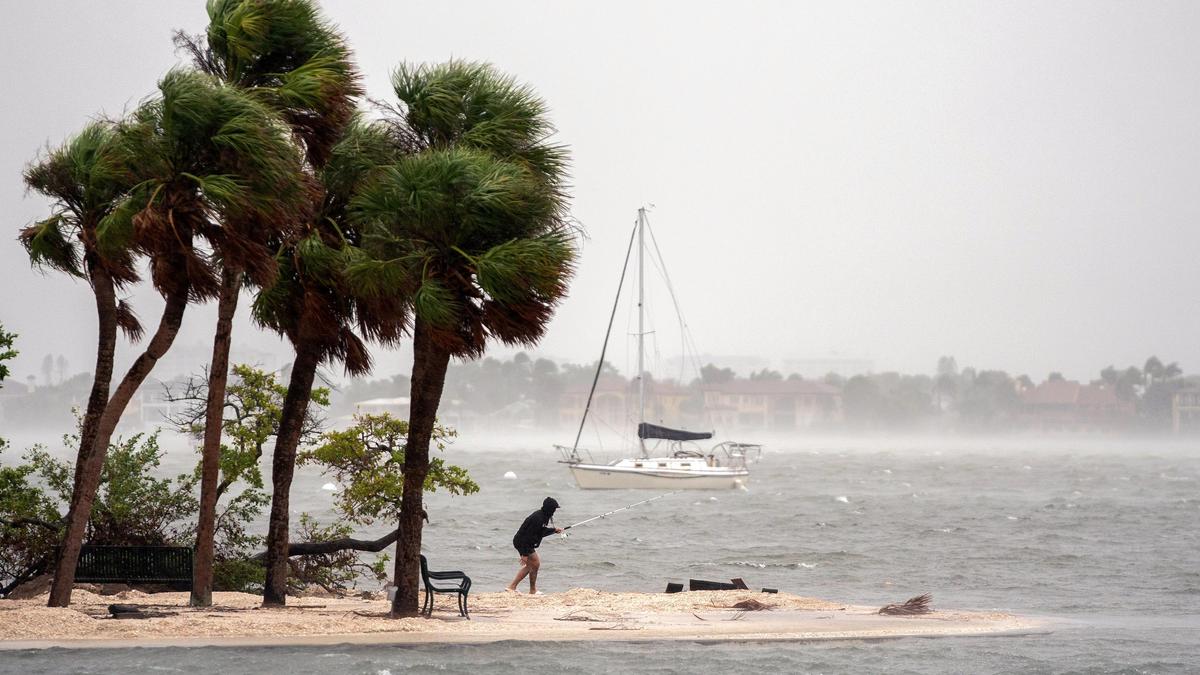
{"x":447,"y":575}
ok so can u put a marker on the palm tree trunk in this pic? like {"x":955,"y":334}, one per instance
{"x":214,"y":417}
{"x":106,"y":348}
{"x":291,"y":424}
{"x":428,"y":377}
{"x":80,"y":509}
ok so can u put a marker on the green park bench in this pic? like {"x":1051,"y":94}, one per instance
{"x":438,"y":582}
{"x":171,"y":565}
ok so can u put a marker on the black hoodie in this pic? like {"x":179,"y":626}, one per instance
{"x":535,"y":526}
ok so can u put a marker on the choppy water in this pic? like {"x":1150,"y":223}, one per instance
{"x":1103,"y":537}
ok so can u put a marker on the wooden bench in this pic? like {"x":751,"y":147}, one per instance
{"x":461,"y":587}
{"x":170,"y":565}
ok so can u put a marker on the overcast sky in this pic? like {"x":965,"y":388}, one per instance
{"x":1015,"y":184}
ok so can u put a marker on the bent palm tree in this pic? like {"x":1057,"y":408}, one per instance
{"x":466,"y":235}
{"x":284,"y":54}
{"x":199,"y":153}
{"x":311,"y":304}
{"x":85,"y":179}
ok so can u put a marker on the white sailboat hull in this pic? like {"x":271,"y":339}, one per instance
{"x":610,"y":477}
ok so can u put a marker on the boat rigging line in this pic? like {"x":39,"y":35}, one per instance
{"x":604,"y":348}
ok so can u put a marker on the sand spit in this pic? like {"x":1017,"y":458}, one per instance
{"x":578,"y":614}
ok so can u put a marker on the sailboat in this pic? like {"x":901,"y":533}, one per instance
{"x":667,"y":458}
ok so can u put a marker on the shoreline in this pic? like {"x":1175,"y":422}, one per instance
{"x":410,"y":640}
{"x":577,"y":615}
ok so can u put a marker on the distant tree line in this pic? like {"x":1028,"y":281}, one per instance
{"x":951,"y":398}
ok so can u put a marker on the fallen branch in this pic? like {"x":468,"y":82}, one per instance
{"x":343,"y":544}
{"x":30,"y":573}
{"x":336,"y":545}
{"x":910,"y":607}
{"x":18,"y":522}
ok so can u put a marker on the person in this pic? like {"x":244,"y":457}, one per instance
{"x":528,"y":538}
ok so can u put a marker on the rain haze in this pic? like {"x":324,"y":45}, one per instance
{"x":1012,"y":184}
{"x":920,"y":337}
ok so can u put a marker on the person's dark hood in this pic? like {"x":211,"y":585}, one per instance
{"x":549,"y":506}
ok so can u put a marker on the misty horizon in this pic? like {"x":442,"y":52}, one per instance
{"x":1010,"y":185}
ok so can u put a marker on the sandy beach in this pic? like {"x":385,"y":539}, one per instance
{"x":578,"y":614}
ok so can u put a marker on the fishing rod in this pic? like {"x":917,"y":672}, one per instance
{"x":623,"y":508}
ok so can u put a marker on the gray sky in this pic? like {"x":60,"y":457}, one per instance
{"x":1011,"y":183}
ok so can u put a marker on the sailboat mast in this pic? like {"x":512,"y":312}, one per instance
{"x":641,"y":325}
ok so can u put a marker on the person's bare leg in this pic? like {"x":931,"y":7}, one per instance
{"x":521,"y":573}
{"x":535,"y":563}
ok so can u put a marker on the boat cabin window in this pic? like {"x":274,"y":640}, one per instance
{"x":637,"y":465}
{"x":685,"y":465}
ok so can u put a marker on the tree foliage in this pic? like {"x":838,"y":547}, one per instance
{"x":367,"y":461}
{"x":7,"y":352}
{"x":253,"y":406}
{"x":467,"y":229}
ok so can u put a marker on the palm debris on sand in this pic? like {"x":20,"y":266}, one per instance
{"x":910,"y":607}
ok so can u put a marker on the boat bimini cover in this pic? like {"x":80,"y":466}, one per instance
{"x":646,"y":430}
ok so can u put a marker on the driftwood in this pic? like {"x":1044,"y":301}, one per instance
{"x":702,"y":585}
{"x":751,"y":605}
{"x":134,"y":612}
{"x":910,"y":607}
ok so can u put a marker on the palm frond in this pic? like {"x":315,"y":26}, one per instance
{"x":521,"y":270}
{"x":49,"y":247}
{"x":435,"y":303}
{"x":127,"y":321}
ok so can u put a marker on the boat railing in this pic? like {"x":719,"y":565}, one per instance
{"x":740,"y":454}
{"x":573,"y":455}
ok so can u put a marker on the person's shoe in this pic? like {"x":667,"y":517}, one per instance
{"x":509,"y":590}
{"x":537,"y":593}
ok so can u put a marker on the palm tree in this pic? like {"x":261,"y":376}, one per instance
{"x":85,"y":179}
{"x":1153,"y":371}
{"x":287,"y":56}
{"x":467,"y":235}
{"x":1171,"y":371}
{"x":311,"y":304}
{"x":198,"y":154}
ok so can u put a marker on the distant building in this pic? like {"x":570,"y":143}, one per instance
{"x":1066,"y":405}
{"x":396,"y":407}
{"x":775,"y":405}
{"x":614,"y":404}
{"x":1185,"y":410}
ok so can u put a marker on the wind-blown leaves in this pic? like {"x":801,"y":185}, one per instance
{"x":203,"y":154}
{"x":49,"y":247}
{"x":474,"y":211}
{"x":435,"y":303}
{"x":474,"y":105}
{"x":525,"y":270}
{"x":128,"y":322}
{"x":289,"y":57}
{"x":84,"y":178}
